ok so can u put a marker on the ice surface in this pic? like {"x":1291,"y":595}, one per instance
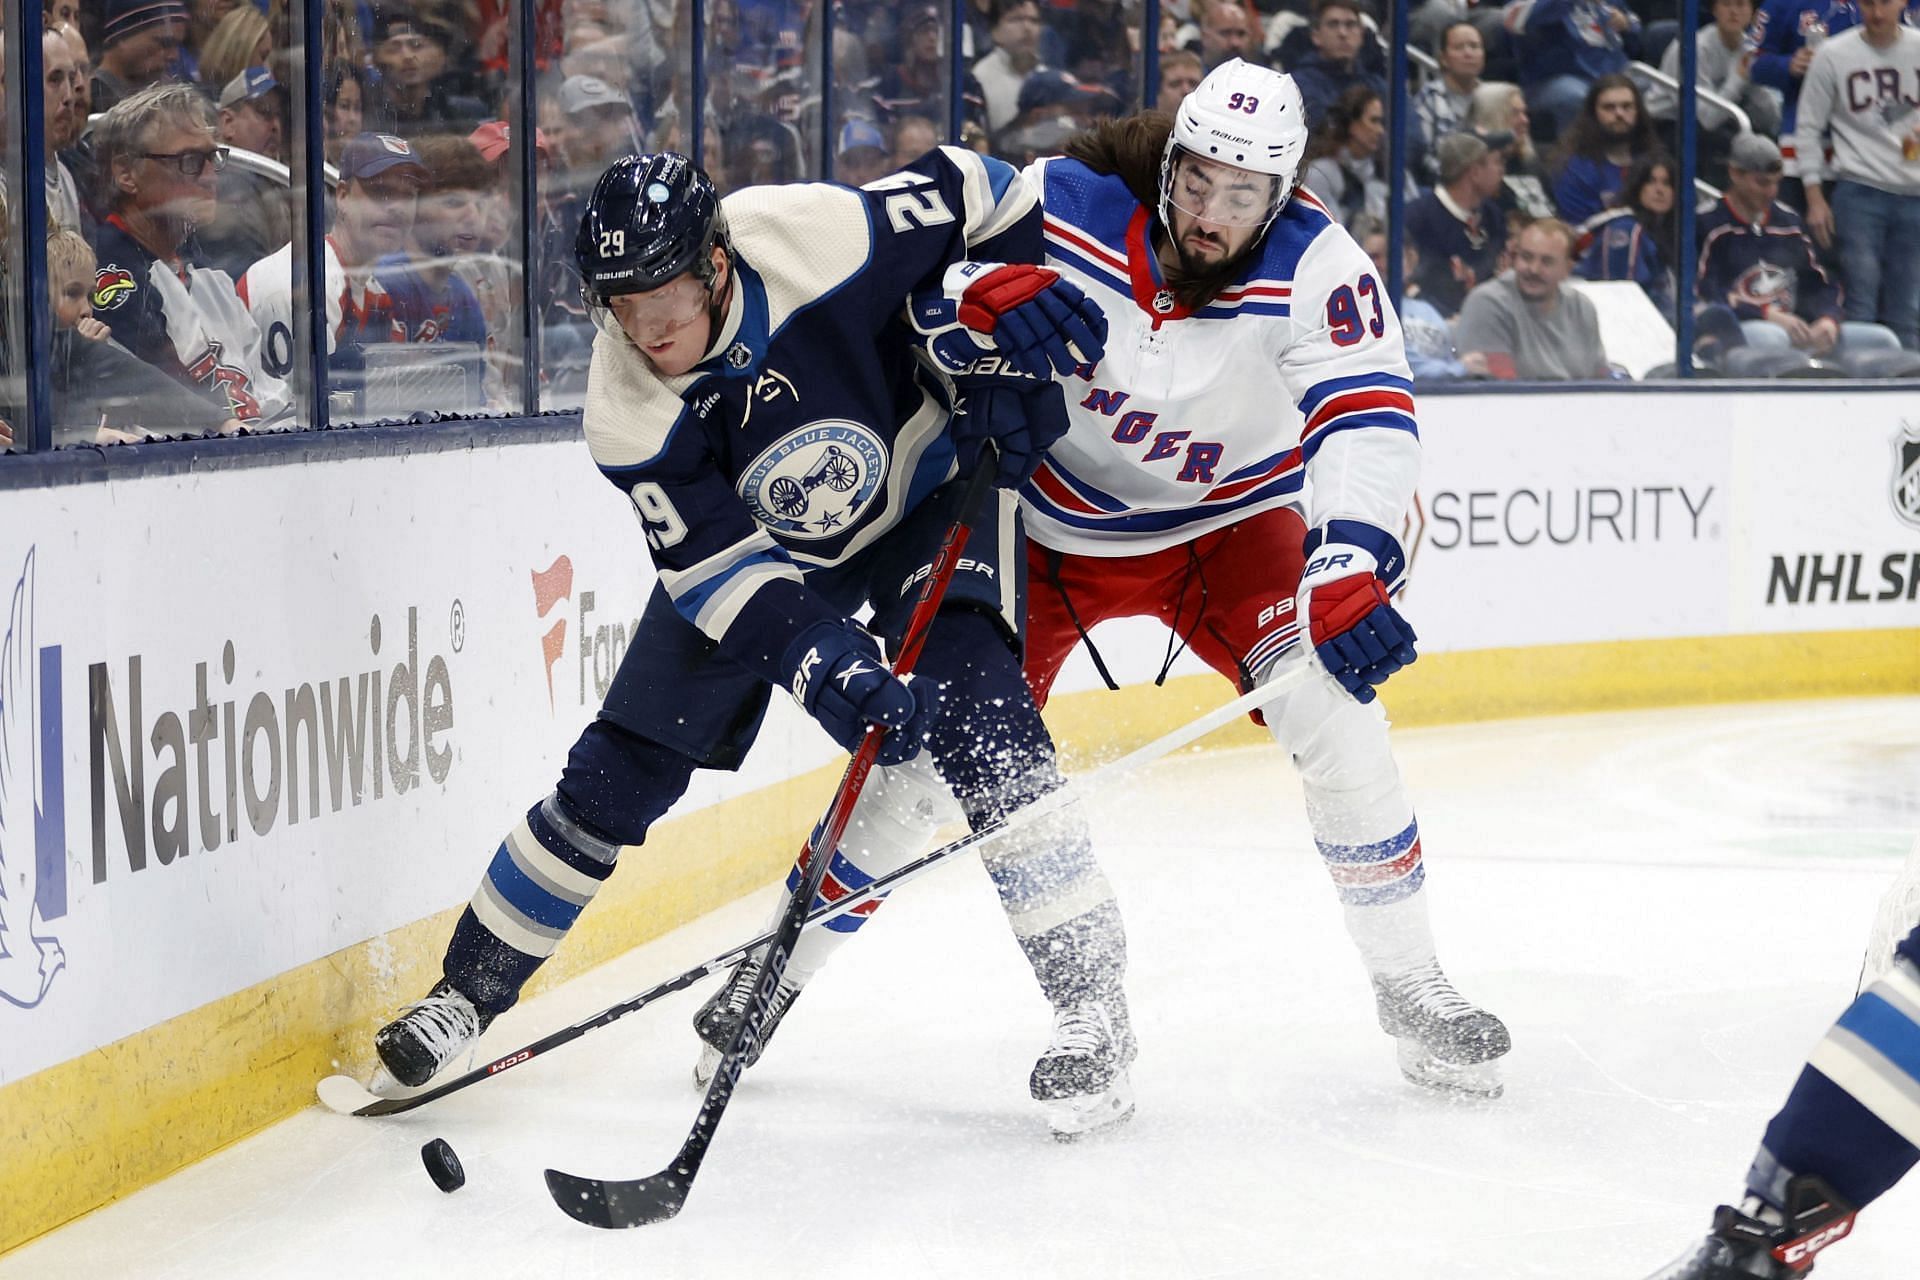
{"x":1668,"y":908}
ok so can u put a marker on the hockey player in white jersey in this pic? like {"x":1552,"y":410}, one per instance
{"x":1188,"y":488}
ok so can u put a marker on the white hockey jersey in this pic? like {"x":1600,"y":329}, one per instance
{"x":1290,"y":389}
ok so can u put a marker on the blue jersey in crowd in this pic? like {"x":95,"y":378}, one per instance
{"x":1571,"y":38}
{"x":1754,"y":266}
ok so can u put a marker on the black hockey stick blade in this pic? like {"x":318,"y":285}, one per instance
{"x":619,"y":1204}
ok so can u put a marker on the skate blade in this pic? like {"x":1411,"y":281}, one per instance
{"x":1461,"y":1080}
{"x":1072,"y":1119}
{"x":709,"y":1063}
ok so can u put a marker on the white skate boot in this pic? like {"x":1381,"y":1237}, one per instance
{"x":1081,"y":1080}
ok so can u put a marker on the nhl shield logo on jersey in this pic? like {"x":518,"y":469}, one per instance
{"x":1906,"y":474}
{"x":817,"y":482}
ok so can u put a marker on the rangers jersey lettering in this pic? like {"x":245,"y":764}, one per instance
{"x":1290,"y":389}
{"x":814,"y":428}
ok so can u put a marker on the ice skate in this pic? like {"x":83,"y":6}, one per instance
{"x":425,"y":1037}
{"x":721,"y":1014}
{"x":1759,"y":1241}
{"x":1081,"y":1080}
{"x":1446,"y":1043}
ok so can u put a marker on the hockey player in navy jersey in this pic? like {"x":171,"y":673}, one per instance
{"x":1189,"y":489}
{"x":756,"y":394}
{"x":1848,"y":1132}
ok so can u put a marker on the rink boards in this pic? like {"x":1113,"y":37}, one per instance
{"x":278,"y":718}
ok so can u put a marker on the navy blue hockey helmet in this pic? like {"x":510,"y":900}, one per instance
{"x":649,"y":220}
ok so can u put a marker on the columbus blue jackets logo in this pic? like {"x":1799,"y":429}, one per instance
{"x":817,"y":482}
{"x":112,"y":286}
{"x":33,"y":836}
{"x":1906,"y":474}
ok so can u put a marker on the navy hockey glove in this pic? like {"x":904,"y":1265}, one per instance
{"x":1360,"y":638}
{"x":1037,"y":320}
{"x":1023,"y":423}
{"x":835,"y":673}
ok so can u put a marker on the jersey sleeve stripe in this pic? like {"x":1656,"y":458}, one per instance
{"x":1067,"y":234}
{"x":1356,"y":422}
{"x":1361,"y":400}
{"x":715,"y":610}
{"x":1320,"y":391}
{"x":992,"y":207}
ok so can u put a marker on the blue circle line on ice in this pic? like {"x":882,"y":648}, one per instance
{"x":817,"y":481}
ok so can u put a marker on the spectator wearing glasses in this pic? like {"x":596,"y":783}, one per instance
{"x":1525,"y":323}
{"x":1444,"y":103}
{"x":1458,"y":227}
{"x":1757,"y":260}
{"x":256,"y":215}
{"x":374,"y":209}
{"x":161,"y":165}
{"x":1335,"y":65}
{"x":1865,"y":85}
{"x":139,"y":40}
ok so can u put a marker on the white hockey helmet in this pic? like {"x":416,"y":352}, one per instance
{"x":1245,"y":116}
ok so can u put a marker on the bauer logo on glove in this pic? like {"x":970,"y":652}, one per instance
{"x":1349,"y":617}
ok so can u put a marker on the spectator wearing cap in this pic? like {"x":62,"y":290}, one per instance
{"x":160,"y":163}
{"x":1015,"y":56}
{"x":1445,"y":102}
{"x":418,"y":95}
{"x":374,"y":208}
{"x":1180,"y":75}
{"x":1346,"y":158}
{"x":1525,"y":323}
{"x":600,"y":128}
{"x":1638,"y":238}
{"x":1458,"y":227}
{"x":1864,"y":84}
{"x":1335,"y":65}
{"x":432,"y":300}
{"x":1566,"y":45}
{"x":1757,"y":259}
{"x":860,"y":153}
{"x":1054,"y":106}
{"x":1500,"y":112}
{"x":256,"y":216}
{"x":916,"y":82}
{"x":139,"y":40}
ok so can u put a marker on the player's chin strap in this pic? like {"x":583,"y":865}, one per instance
{"x":348,"y":1096}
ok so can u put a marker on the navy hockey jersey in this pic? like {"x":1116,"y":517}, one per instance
{"x":187,"y":321}
{"x":1751,"y":266}
{"x":813,"y":428}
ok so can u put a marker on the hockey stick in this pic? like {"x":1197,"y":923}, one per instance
{"x":349,"y":1097}
{"x":637,"y":1202}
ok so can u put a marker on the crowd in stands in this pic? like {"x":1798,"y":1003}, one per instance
{"x":1539,"y":157}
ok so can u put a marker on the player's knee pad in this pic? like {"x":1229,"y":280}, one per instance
{"x":899,"y":810}
{"x":1045,"y":872}
{"x":1341,"y":750}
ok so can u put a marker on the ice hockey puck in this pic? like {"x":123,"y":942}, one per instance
{"x":442,"y":1165}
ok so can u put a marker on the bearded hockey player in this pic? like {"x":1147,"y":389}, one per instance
{"x":755,"y":392}
{"x":1188,"y":488}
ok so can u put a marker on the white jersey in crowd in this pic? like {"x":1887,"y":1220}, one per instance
{"x":1870,"y":98}
{"x":267,"y":289}
{"x":1290,"y":389}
